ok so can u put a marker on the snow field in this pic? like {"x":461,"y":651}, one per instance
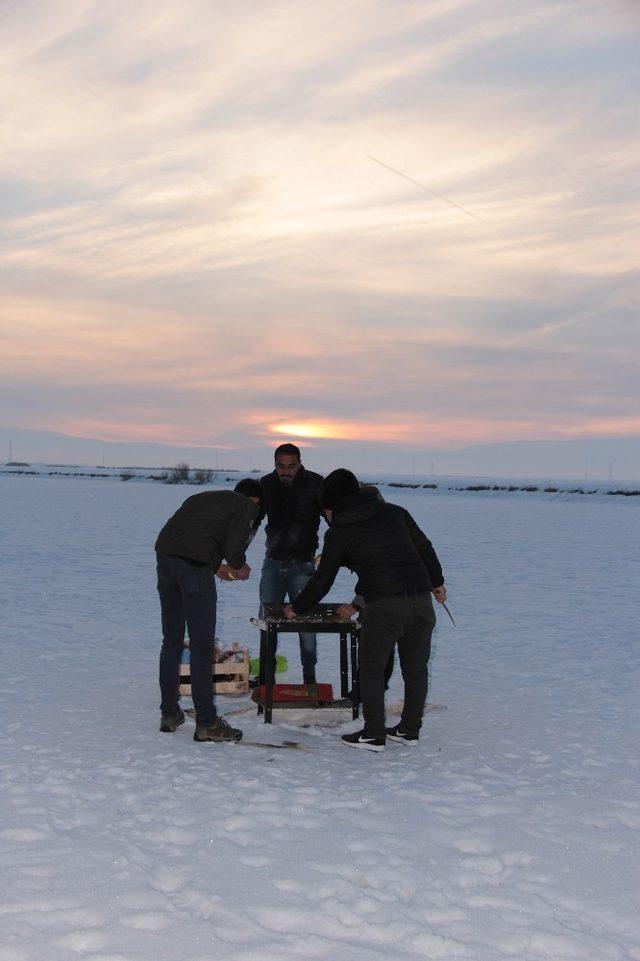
{"x":511,"y":832}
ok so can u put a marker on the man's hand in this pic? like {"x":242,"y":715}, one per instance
{"x":289,"y":612}
{"x":346,"y":611}
{"x":440,"y":594}
{"x":242,"y":574}
{"x":224,"y":573}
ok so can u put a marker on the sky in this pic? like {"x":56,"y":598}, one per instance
{"x":228,"y":224}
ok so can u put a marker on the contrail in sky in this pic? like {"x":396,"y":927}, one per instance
{"x":432,"y":193}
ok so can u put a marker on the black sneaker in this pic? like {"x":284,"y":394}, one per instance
{"x":360,"y":739}
{"x":169,"y":722}
{"x":397,"y":735}
{"x":220,"y":730}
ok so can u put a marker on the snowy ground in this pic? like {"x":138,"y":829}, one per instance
{"x":511,"y":832}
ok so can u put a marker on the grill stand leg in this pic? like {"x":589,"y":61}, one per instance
{"x":269,"y":671}
{"x":262,"y":662}
{"x":355,"y":677}
{"x":344,"y":672}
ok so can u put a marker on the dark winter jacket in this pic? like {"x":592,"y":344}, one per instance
{"x":383,"y":545}
{"x":209,"y":528}
{"x":293,"y":515}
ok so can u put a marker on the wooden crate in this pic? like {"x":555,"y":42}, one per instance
{"x":230,"y":675}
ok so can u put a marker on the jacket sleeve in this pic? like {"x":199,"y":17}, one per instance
{"x":239,"y":534}
{"x":426,"y":551}
{"x":320,"y":583}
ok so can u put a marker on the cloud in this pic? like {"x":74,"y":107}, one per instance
{"x":198,"y":245}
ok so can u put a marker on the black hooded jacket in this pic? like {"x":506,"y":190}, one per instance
{"x":210,"y":527}
{"x":384,"y":546}
{"x":293,"y":515}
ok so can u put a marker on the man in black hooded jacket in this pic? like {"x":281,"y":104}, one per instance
{"x":398,"y":570}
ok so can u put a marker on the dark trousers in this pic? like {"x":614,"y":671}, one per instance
{"x":407,"y":622}
{"x":187,"y":598}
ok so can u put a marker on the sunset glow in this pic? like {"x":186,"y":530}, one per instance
{"x":307,"y":430}
{"x":344,"y":431}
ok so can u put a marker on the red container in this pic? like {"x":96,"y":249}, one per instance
{"x":295,"y":694}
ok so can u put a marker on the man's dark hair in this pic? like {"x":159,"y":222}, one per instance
{"x":252,"y":488}
{"x":249,"y":487}
{"x":290,"y":449}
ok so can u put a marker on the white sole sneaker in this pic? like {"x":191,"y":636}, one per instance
{"x":403,"y":740}
{"x":365,"y":745}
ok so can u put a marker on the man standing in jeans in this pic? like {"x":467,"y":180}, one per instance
{"x":190,"y":548}
{"x":293,"y":517}
{"x":398,"y":571}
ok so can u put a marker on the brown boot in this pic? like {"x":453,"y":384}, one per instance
{"x":169,"y":722}
{"x":220,"y":730}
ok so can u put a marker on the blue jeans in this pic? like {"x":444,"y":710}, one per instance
{"x":287,"y":578}
{"x":187,"y":598}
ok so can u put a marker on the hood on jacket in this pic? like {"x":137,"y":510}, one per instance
{"x":336,"y":486}
{"x":356,"y":507}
